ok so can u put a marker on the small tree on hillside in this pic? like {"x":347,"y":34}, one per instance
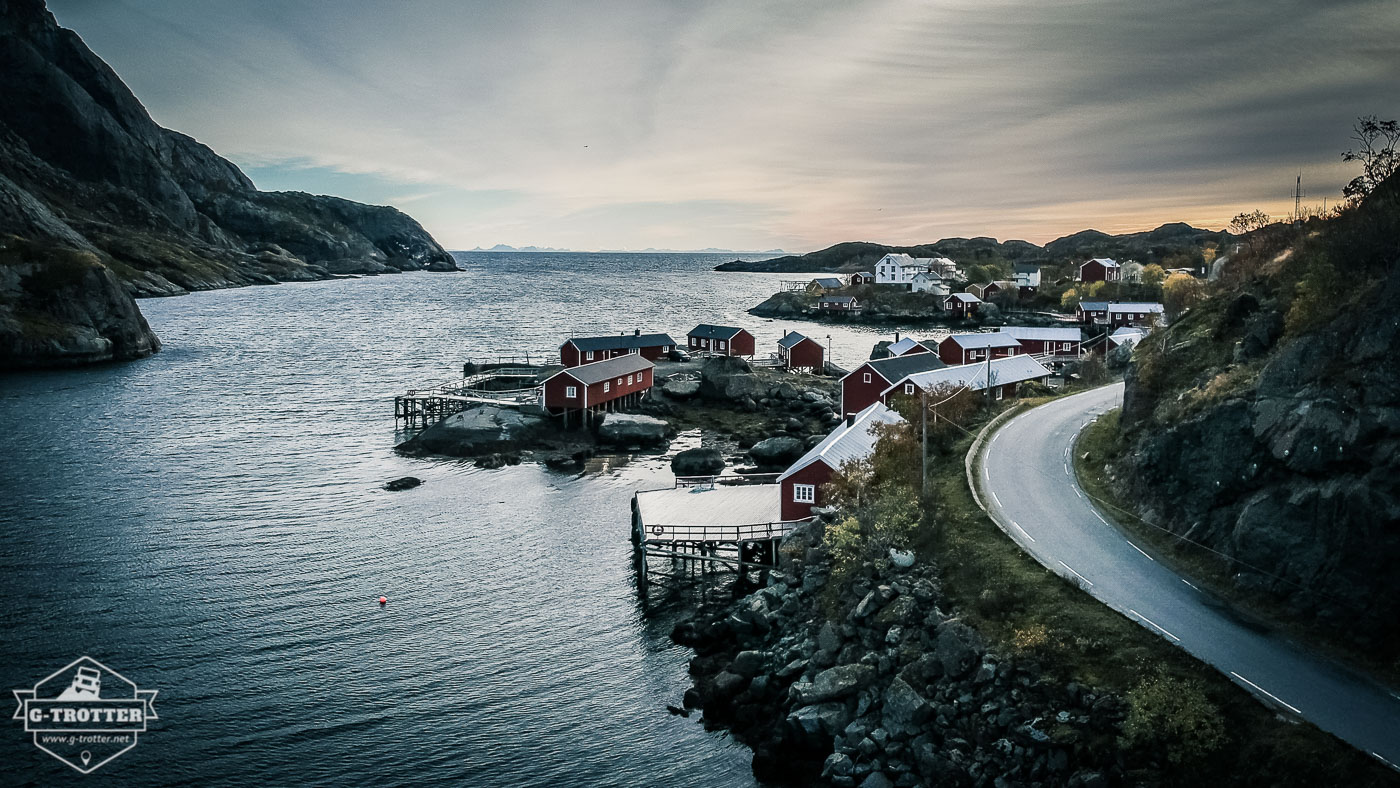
{"x":1069,"y":300}
{"x":1179,"y":293}
{"x":1376,"y":142}
{"x":1152,"y":275}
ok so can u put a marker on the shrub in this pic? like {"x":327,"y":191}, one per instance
{"x":1174,"y":715}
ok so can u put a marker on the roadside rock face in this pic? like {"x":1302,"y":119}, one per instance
{"x":704,"y":461}
{"x":628,"y":429}
{"x":475,"y":432}
{"x":778,"y":452}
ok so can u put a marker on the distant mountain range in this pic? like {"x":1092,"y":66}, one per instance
{"x":1148,"y":246}
{"x":648,"y":250}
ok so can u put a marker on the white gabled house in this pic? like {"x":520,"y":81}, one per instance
{"x":900,"y":269}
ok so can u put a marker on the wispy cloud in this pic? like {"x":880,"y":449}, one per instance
{"x":759,"y":124}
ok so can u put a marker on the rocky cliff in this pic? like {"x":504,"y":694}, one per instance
{"x":1265,"y":424}
{"x":85,"y":170}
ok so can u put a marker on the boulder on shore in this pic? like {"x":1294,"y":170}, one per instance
{"x":777,"y":452}
{"x":681,"y":388}
{"x":403,"y":483}
{"x":475,"y":432}
{"x":730,"y":378}
{"x":704,"y":461}
{"x":629,"y":429}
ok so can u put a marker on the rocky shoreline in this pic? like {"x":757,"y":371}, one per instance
{"x":877,"y":683}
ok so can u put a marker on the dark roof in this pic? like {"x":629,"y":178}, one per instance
{"x":791,"y":340}
{"x":837,"y":299}
{"x":707,"y":331}
{"x":966,"y":298}
{"x":599,"y":371}
{"x":1093,"y":306}
{"x":828,"y":281}
{"x":900,"y":367}
{"x":620,"y":341}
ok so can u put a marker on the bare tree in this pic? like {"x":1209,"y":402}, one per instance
{"x":1376,"y":142}
{"x":1247,"y":223}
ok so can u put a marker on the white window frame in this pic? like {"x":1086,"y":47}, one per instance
{"x":607,"y":386}
{"x":1000,"y":393}
{"x":804,"y":493}
{"x":909,"y":388}
{"x":632,"y":351}
{"x":588,"y":355}
{"x":640,"y":376}
{"x":571,"y":392}
{"x":721,"y":344}
{"x":1065,"y":345}
{"x":619,"y":382}
{"x":867,"y":378}
{"x":629,"y":380}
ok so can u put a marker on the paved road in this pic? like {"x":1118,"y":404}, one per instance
{"x":1027,"y":481}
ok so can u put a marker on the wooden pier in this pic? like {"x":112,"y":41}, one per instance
{"x":421,"y":407}
{"x":708,"y":522}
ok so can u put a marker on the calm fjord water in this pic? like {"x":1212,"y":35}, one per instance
{"x":209,"y":523}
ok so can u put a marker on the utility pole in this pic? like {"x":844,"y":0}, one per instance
{"x":923,"y":454}
{"x":1298,"y":199}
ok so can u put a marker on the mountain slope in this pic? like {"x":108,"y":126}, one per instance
{"x":1265,"y":423}
{"x":84,"y":169}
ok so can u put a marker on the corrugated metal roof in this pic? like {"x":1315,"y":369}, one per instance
{"x":1135,"y":306}
{"x":829,"y":281}
{"x":1106,"y":262}
{"x":717,"y":506}
{"x":1012,"y":369}
{"x":600,"y":371}
{"x":975,"y":341}
{"x":1124,"y":330}
{"x":1043,"y":334}
{"x":837,"y":299}
{"x":620,"y":341}
{"x":1093,"y":306}
{"x":851,"y":440}
{"x":892,"y":369}
{"x":903,"y":346}
{"x":791,"y":339}
{"x":707,"y":331}
{"x":966,"y":298}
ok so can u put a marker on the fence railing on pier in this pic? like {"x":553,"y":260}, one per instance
{"x":420,"y":407}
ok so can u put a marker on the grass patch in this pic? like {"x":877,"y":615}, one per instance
{"x":1024,"y":609}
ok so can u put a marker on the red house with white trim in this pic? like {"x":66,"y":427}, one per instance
{"x":1046,"y":341}
{"x":798,"y":352}
{"x":863,"y":386}
{"x":720,"y":340}
{"x":962,"y":304}
{"x":1006,"y":374}
{"x":1101,"y":269}
{"x":586,"y":350}
{"x":601,"y":385}
{"x":971,"y":348}
{"x":853,"y":439}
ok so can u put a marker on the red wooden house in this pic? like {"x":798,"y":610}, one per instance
{"x":838,"y":305}
{"x":1101,"y":269}
{"x":866,"y":383}
{"x":1046,"y":341}
{"x":798,"y":352}
{"x":962,"y":304}
{"x":599,"y":386}
{"x":908,"y":345}
{"x":586,"y":350}
{"x":861,"y":278}
{"x":720,"y":340}
{"x":1006,"y":375}
{"x":971,"y":348}
{"x":853,"y":439}
{"x":1137,"y":314}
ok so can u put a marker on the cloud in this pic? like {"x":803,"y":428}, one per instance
{"x":761,"y":124}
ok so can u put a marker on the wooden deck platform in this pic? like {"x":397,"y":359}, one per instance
{"x":736,"y":526}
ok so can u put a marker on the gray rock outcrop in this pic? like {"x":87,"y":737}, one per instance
{"x":628,"y":429}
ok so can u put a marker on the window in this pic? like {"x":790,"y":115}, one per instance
{"x":588,"y":356}
{"x":1001,"y":392}
{"x":606,"y":387}
{"x":1064,"y":346}
{"x":629,"y":380}
{"x":571,"y":392}
{"x":804,"y":493}
{"x":633,"y":351}
{"x":642,"y":376}
{"x":867,"y":378}
{"x":619,"y":381}
{"x":721,"y":344}
{"x":908,"y":388}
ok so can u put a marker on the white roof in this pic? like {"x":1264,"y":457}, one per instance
{"x":1043,"y":334}
{"x":1012,"y":369}
{"x":851,"y":440}
{"x":711,"y":506}
{"x":903,"y":346}
{"x":1106,"y":262}
{"x":1134,"y":306}
{"x":966,"y":298}
{"x":992,"y":339}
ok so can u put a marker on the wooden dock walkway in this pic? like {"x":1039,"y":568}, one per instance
{"x":421,"y":407}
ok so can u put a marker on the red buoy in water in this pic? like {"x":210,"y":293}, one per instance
{"x":384,"y":600}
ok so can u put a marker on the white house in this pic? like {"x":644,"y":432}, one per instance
{"x":930,"y":282}
{"x":900,"y":269}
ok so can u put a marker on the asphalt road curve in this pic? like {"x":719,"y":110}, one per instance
{"x":1026,"y":480}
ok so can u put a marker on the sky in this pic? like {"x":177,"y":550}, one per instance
{"x":747,"y":124}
